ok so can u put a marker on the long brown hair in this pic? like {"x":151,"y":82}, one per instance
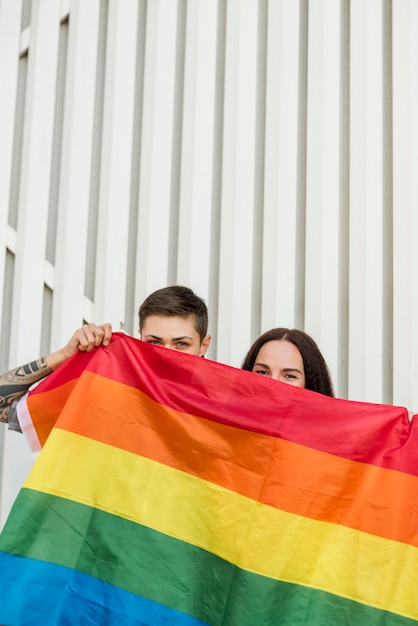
{"x":317,"y":376}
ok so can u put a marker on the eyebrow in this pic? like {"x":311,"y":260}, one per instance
{"x":285,"y":369}
{"x":172,"y":338}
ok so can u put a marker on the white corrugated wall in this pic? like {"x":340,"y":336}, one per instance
{"x":263,"y":152}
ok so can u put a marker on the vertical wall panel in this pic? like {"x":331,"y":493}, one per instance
{"x":6,"y":315}
{"x":387,"y":204}
{"x":405,"y":204}
{"x":57,"y":146}
{"x":366,"y":198}
{"x":259,"y":176}
{"x":217,"y":170}
{"x":177,"y":139}
{"x":302,"y":164}
{"x":235,"y":294}
{"x":157,"y":138}
{"x":10,"y":14}
{"x":323,"y":178}
{"x":35,"y":180}
{"x":9,"y":63}
{"x":96,"y":154}
{"x":115,"y":174}
{"x":15,"y":178}
{"x":341,"y":374}
{"x":26,"y":13}
{"x":194,"y":237}
{"x":280,"y":244}
{"x":6,"y":309}
{"x":75,"y":174}
{"x":131,"y":305}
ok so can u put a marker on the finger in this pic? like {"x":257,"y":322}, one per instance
{"x":91,"y":336}
{"x":107,"y":336}
{"x":102,"y":334}
{"x":85,"y":338}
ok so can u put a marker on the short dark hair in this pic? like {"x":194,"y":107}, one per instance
{"x":317,"y":376}
{"x":176,"y":301}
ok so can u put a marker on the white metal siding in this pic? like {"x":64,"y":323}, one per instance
{"x":263,"y":152}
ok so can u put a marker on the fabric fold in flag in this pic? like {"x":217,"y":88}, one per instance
{"x":174,"y":490}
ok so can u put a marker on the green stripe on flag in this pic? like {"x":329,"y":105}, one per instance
{"x":168,"y":571}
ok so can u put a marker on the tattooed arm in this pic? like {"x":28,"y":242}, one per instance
{"x":15,"y":383}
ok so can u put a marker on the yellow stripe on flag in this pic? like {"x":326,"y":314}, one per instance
{"x":353,"y":564}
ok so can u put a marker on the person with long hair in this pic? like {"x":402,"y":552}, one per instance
{"x":291,"y":356}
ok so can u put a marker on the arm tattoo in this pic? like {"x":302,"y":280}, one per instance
{"x":15,"y":383}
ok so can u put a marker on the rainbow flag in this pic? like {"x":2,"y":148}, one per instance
{"x":175,"y":490}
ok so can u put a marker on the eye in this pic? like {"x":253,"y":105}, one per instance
{"x":154,"y":342}
{"x":182,"y":345}
{"x":262,"y":372}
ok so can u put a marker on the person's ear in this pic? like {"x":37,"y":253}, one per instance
{"x":204,"y":346}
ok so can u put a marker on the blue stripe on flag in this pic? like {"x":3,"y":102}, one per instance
{"x":68,"y":597}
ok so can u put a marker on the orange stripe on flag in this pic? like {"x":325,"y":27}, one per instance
{"x":300,"y":480}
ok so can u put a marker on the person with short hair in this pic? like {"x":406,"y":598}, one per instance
{"x":176,"y":318}
{"x":291,"y":356}
{"x":173,"y":317}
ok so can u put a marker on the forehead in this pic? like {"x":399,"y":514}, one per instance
{"x":280,"y":352}
{"x":169,"y":326}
